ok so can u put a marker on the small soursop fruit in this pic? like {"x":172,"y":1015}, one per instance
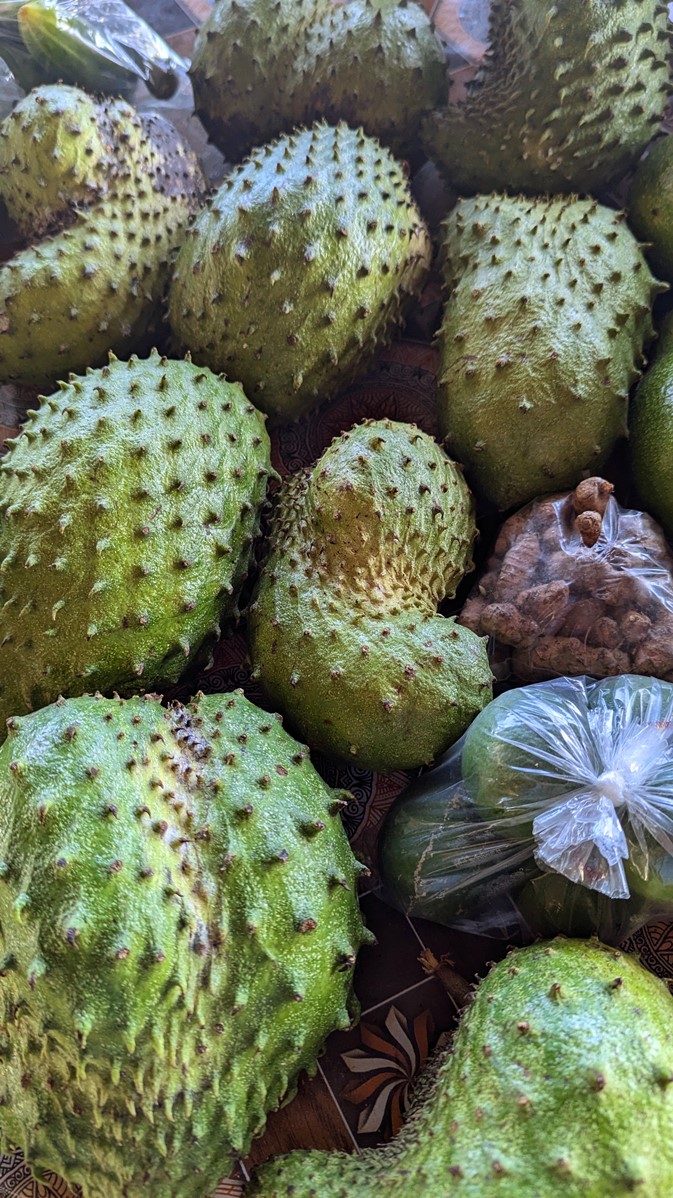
{"x":102,"y":196}
{"x":259,"y":71}
{"x":548,"y":310}
{"x":300,"y":267}
{"x":128,"y":505}
{"x":557,"y":1085}
{"x":567,"y":98}
{"x":344,"y":629}
{"x":179,"y":930}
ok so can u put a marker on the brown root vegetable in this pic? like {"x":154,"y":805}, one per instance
{"x":507,"y":624}
{"x":546,"y":603}
{"x":605,"y":632}
{"x":517,"y":568}
{"x":592,"y":495}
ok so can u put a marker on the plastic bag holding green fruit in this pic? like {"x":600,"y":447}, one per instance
{"x":103,"y":47}
{"x":553,"y":813}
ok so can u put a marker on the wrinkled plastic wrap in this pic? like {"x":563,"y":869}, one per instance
{"x":553,"y":813}
{"x":577,"y":584}
{"x":100,"y":45}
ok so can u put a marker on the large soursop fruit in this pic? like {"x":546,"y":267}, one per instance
{"x":258,"y":69}
{"x":301,"y":266}
{"x":558,"y":1085}
{"x":128,"y":507}
{"x":567,"y":98}
{"x":344,"y":629}
{"x":179,"y":930}
{"x":102,"y":197}
{"x":548,"y":310}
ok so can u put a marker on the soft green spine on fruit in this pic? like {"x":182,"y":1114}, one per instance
{"x":371,"y":63}
{"x":547,"y":314}
{"x":566,"y":99}
{"x":179,"y":931}
{"x":344,"y":630}
{"x":129,"y":503}
{"x":557,"y":1085}
{"x":108,"y":194}
{"x":301,"y":267}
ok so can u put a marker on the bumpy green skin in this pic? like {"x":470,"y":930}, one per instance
{"x":651,"y":433}
{"x":344,"y":630}
{"x":557,"y":1086}
{"x":128,"y":505}
{"x":259,"y":70}
{"x":568,"y":97}
{"x":548,"y":311}
{"x":301,"y":267}
{"x":103,"y":197}
{"x":650,"y":206}
{"x":179,"y":929}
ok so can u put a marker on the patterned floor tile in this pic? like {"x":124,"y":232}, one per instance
{"x":372,"y":1068}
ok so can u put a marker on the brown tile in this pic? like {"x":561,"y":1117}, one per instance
{"x":311,"y":1120}
{"x":392,"y":964}
{"x":372,"y":1068}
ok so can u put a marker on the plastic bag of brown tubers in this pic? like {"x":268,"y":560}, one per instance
{"x":576,"y":585}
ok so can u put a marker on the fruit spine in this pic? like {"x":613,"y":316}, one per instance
{"x":129,"y":505}
{"x":567,"y":98}
{"x":103,"y":196}
{"x":344,"y":629}
{"x":179,"y":930}
{"x":301,"y":266}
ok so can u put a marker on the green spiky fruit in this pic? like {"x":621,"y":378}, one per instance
{"x":102,"y":197}
{"x":344,"y":629}
{"x":179,"y":930}
{"x":651,"y":432}
{"x":650,"y":206}
{"x":558,"y":1084}
{"x":128,"y":505}
{"x":567,"y":98}
{"x":301,"y":267}
{"x":548,"y":310}
{"x":258,"y":70}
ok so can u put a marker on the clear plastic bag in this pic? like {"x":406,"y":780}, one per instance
{"x":102,"y":46}
{"x":576,"y":585}
{"x":553,"y":813}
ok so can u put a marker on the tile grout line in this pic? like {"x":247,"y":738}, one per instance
{"x":392,"y":997}
{"x":338,"y":1107}
{"x":415,"y":932}
{"x":244,"y":1171}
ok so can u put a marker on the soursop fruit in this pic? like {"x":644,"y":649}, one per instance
{"x":301,"y":267}
{"x":567,"y":98}
{"x":179,"y":929}
{"x":557,"y":1085}
{"x":102,"y":197}
{"x":548,"y":312}
{"x":344,"y":630}
{"x":259,"y":70}
{"x":128,"y":508}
